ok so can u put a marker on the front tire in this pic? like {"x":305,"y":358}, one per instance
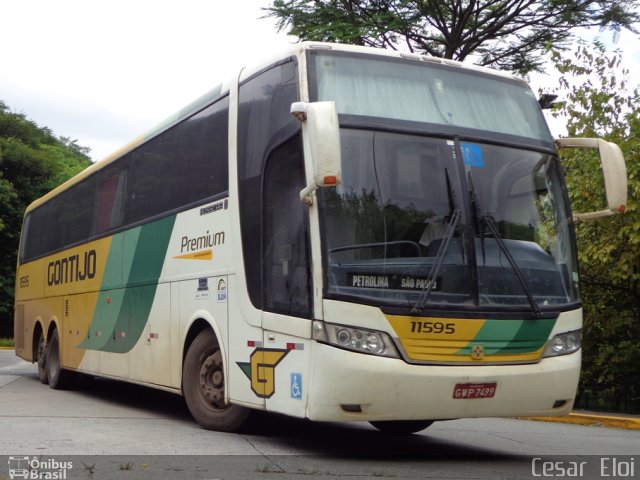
{"x":59,"y":378}
{"x":203,"y":386}
{"x":402,"y":427}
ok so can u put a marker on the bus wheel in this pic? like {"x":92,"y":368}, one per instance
{"x":58,"y":377}
{"x":402,"y":427}
{"x":203,"y":386}
{"x":42,"y":359}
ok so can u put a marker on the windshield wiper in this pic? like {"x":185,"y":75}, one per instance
{"x":490,"y":222}
{"x":452,"y":226}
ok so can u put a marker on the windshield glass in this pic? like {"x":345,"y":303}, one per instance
{"x":446,"y":96}
{"x":424,"y":222}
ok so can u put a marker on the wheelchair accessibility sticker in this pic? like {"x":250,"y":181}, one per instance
{"x":296,"y":386}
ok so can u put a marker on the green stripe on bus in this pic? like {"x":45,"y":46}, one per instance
{"x":122,"y":314}
{"x":531,"y":336}
{"x":511,"y":336}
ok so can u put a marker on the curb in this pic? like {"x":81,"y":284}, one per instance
{"x":629,"y":423}
{"x":7,"y":348}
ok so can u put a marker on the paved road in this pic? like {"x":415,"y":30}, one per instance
{"x":114,"y":430}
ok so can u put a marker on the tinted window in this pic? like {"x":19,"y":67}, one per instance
{"x":150,"y":179}
{"x":264,"y":122}
{"x":200,"y":167}
{"x":181,"y":166}
{"x":287,"y":272}
{"x":76,"y":213}
{"x":110,"y":195}
{"x":63,"y":221}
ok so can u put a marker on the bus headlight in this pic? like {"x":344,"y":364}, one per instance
{"x":360,"y":340}
{"x":564,"y":343}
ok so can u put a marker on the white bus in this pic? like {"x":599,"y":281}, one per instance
{"x":340,"y":234}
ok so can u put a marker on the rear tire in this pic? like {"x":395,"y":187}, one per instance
{"x":203,"y":386}
{"x":402,"y":427}
{"x":59,"y":378}
{"x":42,"y":359}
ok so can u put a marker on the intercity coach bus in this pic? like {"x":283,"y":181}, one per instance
{"x":339,"y":234}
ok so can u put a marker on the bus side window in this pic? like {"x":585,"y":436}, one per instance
{"x":199,"y":150}
{"x":110,"y":194}
{"x":286,"y":269}
{"x":75,"y":215}
{"x":264,"y":122}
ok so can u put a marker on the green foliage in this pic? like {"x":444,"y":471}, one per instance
{"x":502,"y":33}
{"x":601,"y":102}
{"x":32,"y":162}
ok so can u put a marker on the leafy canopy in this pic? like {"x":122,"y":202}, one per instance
{"x":505,"y":34}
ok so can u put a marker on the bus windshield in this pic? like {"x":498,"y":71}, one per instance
{"x":411,"y":226}
{"x":451,"y":193}
{"x":443,"y":96}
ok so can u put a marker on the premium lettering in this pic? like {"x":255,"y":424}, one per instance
{"x":208,"y":240}
{"x":75,"y":268}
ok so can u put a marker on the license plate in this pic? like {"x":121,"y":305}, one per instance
{"x":475,"y":390}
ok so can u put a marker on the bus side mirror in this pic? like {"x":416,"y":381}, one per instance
{"x":321,"y":139}
{"x":614,"y":172}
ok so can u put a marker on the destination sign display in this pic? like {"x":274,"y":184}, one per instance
{"x":391,"y":281}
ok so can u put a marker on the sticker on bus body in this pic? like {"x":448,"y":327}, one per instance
{"x":472,"y":155}
{"x":296,"y":386}
{"x":203,"y":288}
{"x":222,"y":291}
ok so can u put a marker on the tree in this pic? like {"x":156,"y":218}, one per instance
{"x":32,"y":162}
{"x":601,"y":102}
{"x":505,"y":34}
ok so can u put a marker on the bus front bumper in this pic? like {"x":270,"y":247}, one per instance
{"x":348,"y":386}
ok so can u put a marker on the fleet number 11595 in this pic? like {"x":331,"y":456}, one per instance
{"x":433,"y":327}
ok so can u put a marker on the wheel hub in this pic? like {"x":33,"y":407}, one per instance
{"x":211,"y":380}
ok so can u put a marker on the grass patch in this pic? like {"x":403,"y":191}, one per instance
{"x":7,"y":342}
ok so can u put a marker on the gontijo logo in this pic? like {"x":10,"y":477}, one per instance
{"x":74,"y":268}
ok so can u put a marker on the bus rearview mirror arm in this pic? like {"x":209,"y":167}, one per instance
{"x":614,"y":172}
{"x":321,"y":140}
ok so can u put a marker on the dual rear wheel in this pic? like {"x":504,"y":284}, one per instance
{"x":49,"y":367}
{"x":57,"y":377}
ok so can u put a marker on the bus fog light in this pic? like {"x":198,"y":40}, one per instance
{"x":564,"y":343}
{"x":360,"y":340}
